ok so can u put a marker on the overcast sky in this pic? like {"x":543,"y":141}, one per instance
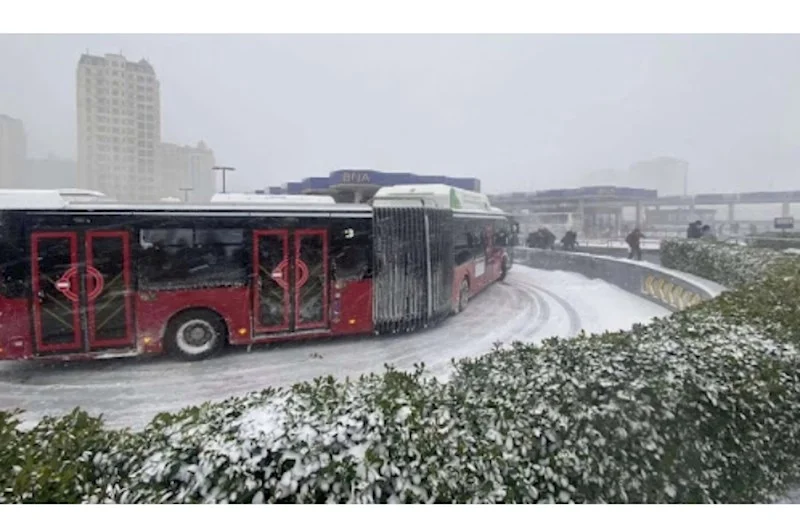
{"x":519,"y":112}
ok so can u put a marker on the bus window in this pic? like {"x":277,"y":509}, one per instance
{"x":462,"y":242}
{"x":351,"y":255}
{"x":13,"y":264}
{"x":192,"y":258}
{"x":502,"y":236}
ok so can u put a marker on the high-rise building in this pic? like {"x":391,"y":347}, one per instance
{"x":119,"y":127}
{"x":667,"y":175}
{"x":186,"y":171}
{"x":13,"y":151}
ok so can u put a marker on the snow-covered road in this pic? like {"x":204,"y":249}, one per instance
{"x":530,"y":306}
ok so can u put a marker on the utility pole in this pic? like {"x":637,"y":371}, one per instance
{"x":224,"y":170}
{"x":185,"y":193}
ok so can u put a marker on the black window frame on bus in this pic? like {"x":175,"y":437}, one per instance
{"x":350,"y":249}
{"x":472,"y":236}
{"x":192,"y":255}
{"x":14,"y":259}
{"x":502,"y":231}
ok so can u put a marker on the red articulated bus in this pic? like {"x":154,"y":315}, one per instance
{"x":84,"y":278}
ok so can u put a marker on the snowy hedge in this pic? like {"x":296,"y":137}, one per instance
{"x":728,"y":264}
{"x":767,"y":283}
{"x":698,"y":407}
{"x":775,"y":241}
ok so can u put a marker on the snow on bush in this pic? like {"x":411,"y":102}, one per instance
{"x":697,"y":407}
{"x":766,"y":283}
{"x":730,"y":265}
{"x":47,"y":464}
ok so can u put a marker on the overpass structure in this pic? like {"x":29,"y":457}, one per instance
{"x":602,"y":206}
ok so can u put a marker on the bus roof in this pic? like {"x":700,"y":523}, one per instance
{"x":55,"y":201}
{"x":439,"y":195}
{"x":23,"y":199}
{"x":272,"y":198}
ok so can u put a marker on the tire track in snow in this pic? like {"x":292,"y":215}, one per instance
{"x":574,"y":318}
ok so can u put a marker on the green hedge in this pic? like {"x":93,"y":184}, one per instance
{"x":766,"y":283}
{"x":775,"y":240}
{"x":728,"y":264}
{"x":697,"y":407}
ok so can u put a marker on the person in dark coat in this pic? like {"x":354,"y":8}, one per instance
{"x":570,"y":240}
{"x":549,"y":239}
{"x":708,"y":234}
{"x":695,"y":230}
{"x":634,"y":241}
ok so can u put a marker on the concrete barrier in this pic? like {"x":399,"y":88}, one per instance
{"x":653,"y":255}
{"x":669,"y":288}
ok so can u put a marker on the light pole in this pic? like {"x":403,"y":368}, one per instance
{"x":224,"y":169}
{"x":185,"y":193}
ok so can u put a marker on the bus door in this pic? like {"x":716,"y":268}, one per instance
{"x":291,"y":281}
{"x":81,"y":291}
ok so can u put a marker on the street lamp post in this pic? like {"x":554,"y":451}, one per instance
{"x":185,"y":193}
{"x":224,"y":170}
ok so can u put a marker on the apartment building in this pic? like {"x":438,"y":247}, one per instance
{"x":119,"y":127}
{"x":186,"y":172}
{"x":13,"y":152}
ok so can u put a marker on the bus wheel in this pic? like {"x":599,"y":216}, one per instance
{"x":463,"y":295}
{"x":195,"y":335}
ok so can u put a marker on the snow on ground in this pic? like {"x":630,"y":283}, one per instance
{"x":532,"y":305}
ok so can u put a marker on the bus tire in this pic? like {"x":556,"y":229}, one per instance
{"x":195,"y":334}
{"x":463,"y":295}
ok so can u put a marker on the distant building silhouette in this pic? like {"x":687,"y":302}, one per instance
{"x":13,"y":151}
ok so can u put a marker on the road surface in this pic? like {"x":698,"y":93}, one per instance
{"x":530,"y":306}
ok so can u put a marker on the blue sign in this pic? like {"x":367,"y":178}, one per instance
{"x":294,"y":188}
{"x":374,"y":178}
